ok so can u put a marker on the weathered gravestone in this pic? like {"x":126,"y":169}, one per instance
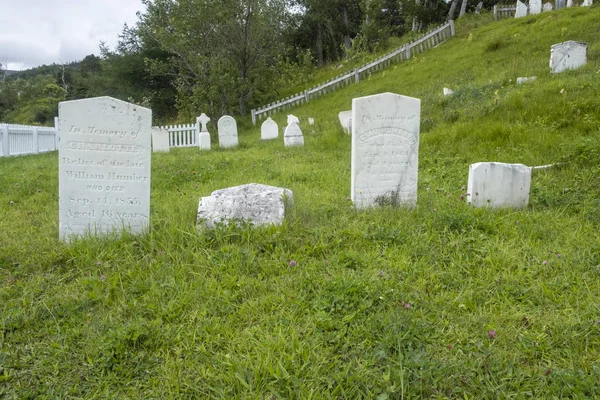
{"x":385,"y":149}
{"x":228,"y":134}
{"x":269,"y":130}
{"x":255,"y":203}
{"x":535,"y":6}
{"x":525,"y":79}
{"x":204,"y":136}
{"x":160,"y":140}
{"x":479,"y":7}
{"x":498,"y":185}
{"x":547,"y":6}
{"x":558,"y":4}
{"x":587,"y":3}
{"x":567,"y":55}
{"x":293,"y":135}
{"x":344,"y":116}
{"x":104,"y":166}
{"x":521,"y":10}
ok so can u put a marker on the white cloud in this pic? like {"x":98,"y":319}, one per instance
{"x":36,"y":32}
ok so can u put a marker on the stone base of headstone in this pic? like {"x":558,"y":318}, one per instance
{"x":160,"y":140}
{"x":498,"y":185}
{"x":204,"y":141}
{"x":254,"y":203}
{"x":567,"y":55}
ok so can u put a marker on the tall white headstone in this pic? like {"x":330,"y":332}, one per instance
{"x":269,"y":130}
{"x":498,"y":185}
{"x":293,"y":136}
{"x":535,"y":6}
{"x":547,"y":6}
{"x":104,"y":166}
{"x":204,"y":136}
{"x":567,"y":55}
{"x":559,"y":4}
{"x":385,"y":149}
{"x":228,"y":134}
{"x":521,"y":10}
{"x":160,"y":140}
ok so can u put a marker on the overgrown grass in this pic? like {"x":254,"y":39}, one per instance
{"x":385,"y":303}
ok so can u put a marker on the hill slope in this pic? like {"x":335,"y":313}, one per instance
{"x":440,"y":301}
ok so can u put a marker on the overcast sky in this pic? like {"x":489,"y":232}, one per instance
{"x":36,"y":32}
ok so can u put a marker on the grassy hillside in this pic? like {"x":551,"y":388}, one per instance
{"x":439,"y":301}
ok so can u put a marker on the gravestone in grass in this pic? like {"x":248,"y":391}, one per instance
{"x":385,"y":150}
{"x":570,"y":3}
{"x":228,"y":134}
{"x":160,"y":140}
{"x":344,"y":116}
{"x":559,"y":4}
{"x":567,"y":55}
{"x":498,"y":185}
{"x":521,"y":10}
{"x":535,"y":6}
{"x":587,"y":3}
{"x":269,"y":130}
{"x":547,"y":6}
{"x":204,"y":136}
{"x":293,"y":135}
{"x":479,"y":7}
{"x":104,"y":166}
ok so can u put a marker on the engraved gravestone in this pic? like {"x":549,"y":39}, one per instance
{"x":160,"y":140}
{"x":521,"y":10}
{"x":535,"y":6}
{"x":385,"y":149}
{"x":567,"y":55}
{"x":104,"y":166}
{"x":269,"y":130}
{"x":204,"y":139}
{"x":228,"y":134}
{"x":498,"y":185}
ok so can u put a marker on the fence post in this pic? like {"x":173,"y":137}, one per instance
{"x":356,"y":76}
{"x":253,"y":112}
{"x":56,"y":133}
{"x":407,"y":52}
{"x":495,"y":13}
{"x":451,"y":22}
{"x":36,"y":141}
{"x":5,"y":149}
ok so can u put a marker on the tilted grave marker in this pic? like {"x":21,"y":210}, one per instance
{"x":567,"y":55}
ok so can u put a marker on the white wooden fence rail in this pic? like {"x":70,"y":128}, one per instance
{"x":504,"y":11}
{"x":182,"y":135}
{"x":427,"y":41}
{"x":26,"y":139}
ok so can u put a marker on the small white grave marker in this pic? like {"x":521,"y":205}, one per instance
{"x":521,"y":10}
{"x":228,"y":134}
{"x":344,"y":116}
{"x":535,"y":6}
{"x":547,"y":6}
{"x":160,"y":139}
{"x":293,"y":136}
{"x":567,"y":55}
{"x":448,"y":92}
{"x":104,"y":166}
{"x":385,"y":149}
{"x":311,"y":121}
{"x":498,"y":185}
{"x":269,"y":130}
{"x":587,"y":3}
{"x":204,"y":139}
{"x":525,"y":79}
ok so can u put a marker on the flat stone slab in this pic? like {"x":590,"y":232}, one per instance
{"x":567,"y":55}
{"x":255,"y":203}
{"x":498,"y":185}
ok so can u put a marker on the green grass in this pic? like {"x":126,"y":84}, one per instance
{"x":387,"y":303}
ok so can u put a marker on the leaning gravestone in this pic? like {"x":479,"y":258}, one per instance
{"x":293,"y":136}
{"x":498,"y":185}
{"x":567,"y":55}
{"x":269,"y":130}
{"x":344,"y":116}
{"x":255,"y":203}
{"x":204,"y":136}
{"x":521,"y":10}
{"x":160,"y":140}
{"x":104,"y":166}
{"x":547,"y":6}
{"x":479,"y":7}
{"x":228,"y":134}
{"x":587,"y":3}
{"x":535,"y":6}
{"x":385,"y":149}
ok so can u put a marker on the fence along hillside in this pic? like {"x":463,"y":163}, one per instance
{"x":427,"y":41}
{"x":26,"y":139}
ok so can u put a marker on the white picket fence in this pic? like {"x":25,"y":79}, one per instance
{"x":504,"y":11}
{"x":427,"y":41}
{"x":26,"y":139}
{"x":183,"y":135}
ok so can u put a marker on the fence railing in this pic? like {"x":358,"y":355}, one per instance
{"x":183,"y":135}
{"x":26,"y":139}
{"x":504,"y":11}
{"x":427,"y":41}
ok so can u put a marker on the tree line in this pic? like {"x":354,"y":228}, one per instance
{"x":183,"y":57}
